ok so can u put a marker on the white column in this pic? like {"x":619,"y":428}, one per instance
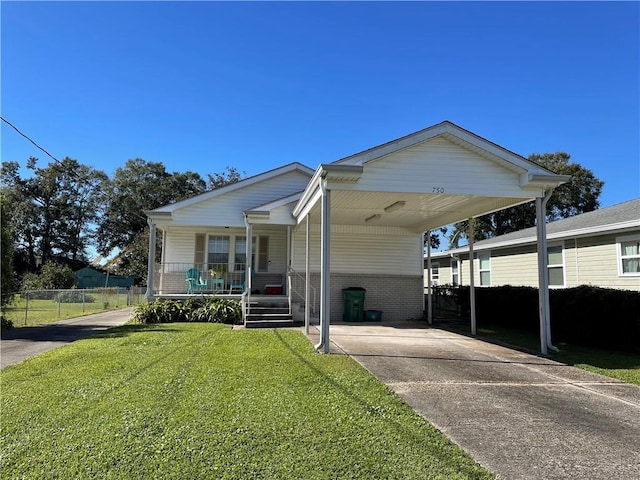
{"x":288,"y":259}
{"x":248,"y":268}
{"x":543,"y":279}
{"x":429,"y":284}
{"x":472,"y":282}
{"x":151,"y":260}
{"x":325,"y":269}
{"x":307,"y":282}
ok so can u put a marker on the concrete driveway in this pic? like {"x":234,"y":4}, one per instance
{"x":519,"y":415}
{"x":18,"y":344}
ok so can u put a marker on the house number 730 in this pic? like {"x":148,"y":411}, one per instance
{"x":438,"y":190}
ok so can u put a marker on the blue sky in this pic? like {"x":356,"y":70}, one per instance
{"x":204,"y":85}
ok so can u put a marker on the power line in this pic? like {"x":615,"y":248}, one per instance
{"x":25,"y":136}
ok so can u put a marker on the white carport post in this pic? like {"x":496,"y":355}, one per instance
{"x":307,"y":280}
{"x":151,"y":261}
{"x":248,"y":268}
{"x":325,"y":267}
{"x":472,"y":285}
{"x":429,"y":284}
{"x":543,"y":274}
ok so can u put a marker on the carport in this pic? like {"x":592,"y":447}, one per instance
{"x":437,"y":176}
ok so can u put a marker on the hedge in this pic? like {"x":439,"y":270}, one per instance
{"x":584,"y":315}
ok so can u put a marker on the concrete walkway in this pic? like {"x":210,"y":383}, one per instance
{"x":18,"y":344}
{"x":518,"y":415}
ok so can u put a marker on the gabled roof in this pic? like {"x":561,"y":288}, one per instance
{"x":622,"y":216}
{"x":458,"y":135}
{"x":295,"y":166}
{"x":442,"y":173}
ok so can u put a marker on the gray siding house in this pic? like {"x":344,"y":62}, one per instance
{"x":600,"y":248}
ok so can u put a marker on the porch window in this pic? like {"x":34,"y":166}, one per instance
{"x":484,"y":261}
{"x":218,"y":251}
{"x":629,"y":255}
{"x":555,"y":265}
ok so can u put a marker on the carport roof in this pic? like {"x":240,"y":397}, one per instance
{"x":439,"y":175}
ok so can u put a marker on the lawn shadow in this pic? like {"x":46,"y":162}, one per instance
{"x":373,"y":409}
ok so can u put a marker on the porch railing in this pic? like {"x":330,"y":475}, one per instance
{"x":294,"y":288}
{"x":170,"y":277}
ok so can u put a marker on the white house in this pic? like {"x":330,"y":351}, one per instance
{"x":600,"y":248}
{"x":356,"y":222}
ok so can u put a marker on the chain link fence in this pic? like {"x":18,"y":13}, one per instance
{"x":39,"y":307}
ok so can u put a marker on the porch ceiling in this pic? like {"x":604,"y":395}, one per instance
{"x":419,"y":213}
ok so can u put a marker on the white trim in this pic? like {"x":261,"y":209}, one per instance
{"x":619,"y":255}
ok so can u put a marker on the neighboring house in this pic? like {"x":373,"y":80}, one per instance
{"x":356,"y":222}
{"x":600,"y":248}
{"x":89,"y":277}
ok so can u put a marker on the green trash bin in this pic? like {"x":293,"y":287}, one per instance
{"x":353,"y":298}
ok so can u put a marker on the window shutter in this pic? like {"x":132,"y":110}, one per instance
{"x":198,"y":259}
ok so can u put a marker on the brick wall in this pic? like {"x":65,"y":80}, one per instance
{"x":399,"y":297}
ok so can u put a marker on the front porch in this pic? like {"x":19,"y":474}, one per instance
{"x":170,"y":280}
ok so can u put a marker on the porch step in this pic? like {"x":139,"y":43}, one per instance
{"x":269,"y":320}
{"x":269,"y":312}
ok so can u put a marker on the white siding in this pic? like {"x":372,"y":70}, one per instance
{"x":440,"y":166}
{"x":226,"y":210}
{"x":360,"y":249}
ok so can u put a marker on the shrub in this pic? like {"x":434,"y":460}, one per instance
{"x":585,"y":315}
{"x":5,"y":323}
{"x":215,"y":310}
{"x":74,"y":296}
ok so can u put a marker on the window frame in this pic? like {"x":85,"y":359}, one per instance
{"x":621,"y":257}
{"x":232,"y":239}
{"x":435,"y":279}
{"x":557,"y":266}
{"x":481,"y":270}
{"x":455,"y":271}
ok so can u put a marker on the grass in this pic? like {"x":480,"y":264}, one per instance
{"x":620,"y":365}
{"x":40,"y":312}
{"x":205,"y":401}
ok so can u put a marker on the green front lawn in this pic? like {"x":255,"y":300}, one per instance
{"x":204,"y":401}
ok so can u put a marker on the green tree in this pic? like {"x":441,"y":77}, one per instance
{"x":8,"y":278}
{"x":52,"y":212}
{"x":134,"y":188}
{"x":229,"y":176}
{"x":53,"y":276}
{"x":579,"y":195}
{"x":56,"y":275}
